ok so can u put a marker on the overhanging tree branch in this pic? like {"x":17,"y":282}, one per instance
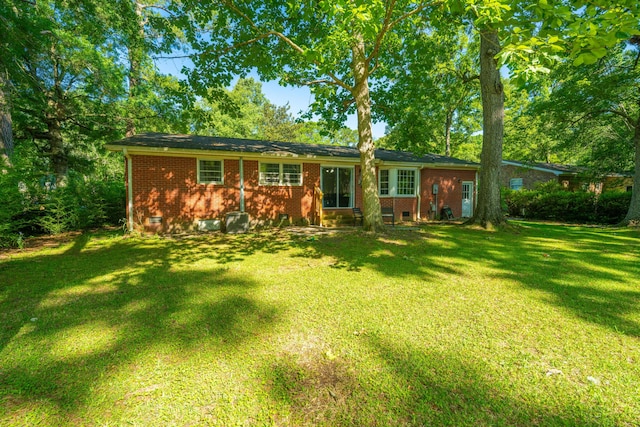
{"x":388,"y":25}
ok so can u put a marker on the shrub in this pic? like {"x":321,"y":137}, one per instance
{"x":556,"y":204}
{"x":612,"y":206}
{"x":82,"y":203}
{"x":29,"y":207}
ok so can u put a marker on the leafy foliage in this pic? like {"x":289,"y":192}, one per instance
{"x":552,"y":203}
{"x":432,"y":105}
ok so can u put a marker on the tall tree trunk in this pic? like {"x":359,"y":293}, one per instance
{"x":447,"y":134}
{"x":489,"y":212}
{"x":633,"y":214}
{"x":6,"y":132}
{"x":371,"y":210}
{"x":59,"y":160}
{"x":135,"y":52}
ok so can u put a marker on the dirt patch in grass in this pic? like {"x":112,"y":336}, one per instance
{"x":316,"y":384}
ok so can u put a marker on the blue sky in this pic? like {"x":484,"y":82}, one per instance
{"x":298,"y":99}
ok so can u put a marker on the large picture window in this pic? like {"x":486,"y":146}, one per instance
{"x":337,"y":186}
{"x":280,"y":174}
{"x":210,"y":171}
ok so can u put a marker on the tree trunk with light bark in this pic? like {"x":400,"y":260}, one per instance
{"x":447,"y":134}
{"x":372,"y":220}
{"x":489,"y":212}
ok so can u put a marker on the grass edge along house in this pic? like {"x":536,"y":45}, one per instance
{"x":182,"y":182}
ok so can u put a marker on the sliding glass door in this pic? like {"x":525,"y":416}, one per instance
{"x":337,"y":186}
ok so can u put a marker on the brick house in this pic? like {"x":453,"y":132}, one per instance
{"x":519,"y":175}
{"x":177,"y":182}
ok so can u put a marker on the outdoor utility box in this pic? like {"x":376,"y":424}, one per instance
{"x":237,"y":222}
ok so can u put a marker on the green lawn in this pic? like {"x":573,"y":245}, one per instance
{"x":442,"y":325}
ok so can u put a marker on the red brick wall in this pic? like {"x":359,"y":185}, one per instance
{"x":449,"y":189}
{"x":267,"y":201}
{"x":168,"y":187}
{"x":530,"y":177}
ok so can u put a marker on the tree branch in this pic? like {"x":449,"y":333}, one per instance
{"x":337,"y":81}
{"x":627,"y":118}
{"x":388,"y":25}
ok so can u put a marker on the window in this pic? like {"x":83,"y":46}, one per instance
{"x":210,"y":171}
{"x":280,"y":174}
{"x":383,"y":176}
{"x":406,"y":182}
{"x":515,"y":183}
{"x":397,"y":182}
{"x":337,"y":186}
{"x":291,"y":174}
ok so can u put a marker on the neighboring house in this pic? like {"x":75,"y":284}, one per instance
{"x":178,"y":182}
{"x":519,"y":175}
{"x":618,"y":182}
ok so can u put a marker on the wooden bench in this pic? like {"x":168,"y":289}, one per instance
{"x":388,"y":213}
{"x":357,"y":216}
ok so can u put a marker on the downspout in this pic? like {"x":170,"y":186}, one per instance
{"x":419,"y":180}
{"x":129,"y":189}
{"x":241,"y":170}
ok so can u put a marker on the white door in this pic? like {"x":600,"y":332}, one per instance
{"x":467,"y":199}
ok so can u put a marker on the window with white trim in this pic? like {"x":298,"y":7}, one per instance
{"x":280,"y":174}
{"x":397,"y":182}
{"x":383,"y":177}
{"x":515,"y":183}
{"x":406,"y":182}
{"x":210,"y":171}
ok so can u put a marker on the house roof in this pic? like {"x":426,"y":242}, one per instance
{"x":275,"y":148}
{"x":555,"y":168}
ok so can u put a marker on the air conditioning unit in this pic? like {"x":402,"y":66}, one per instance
{"x":209,"y":224}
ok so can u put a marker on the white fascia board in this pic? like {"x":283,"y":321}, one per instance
{"x":334,"y":160}
{"x":450,"y":166}
{"x":185,"y":152}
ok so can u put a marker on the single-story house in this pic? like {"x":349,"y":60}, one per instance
{"x":520,"y":175}
{"x":177,"y":182}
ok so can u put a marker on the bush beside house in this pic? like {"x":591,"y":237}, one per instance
{"x":572,"y":206}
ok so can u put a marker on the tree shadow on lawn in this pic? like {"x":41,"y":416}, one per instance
{"x":408,"y":386}
{"x":69,"y":320}
{"x":579,"y":268}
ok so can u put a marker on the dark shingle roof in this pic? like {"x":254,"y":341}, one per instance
{"x":556,"y":167}
{"x":210,"y":143}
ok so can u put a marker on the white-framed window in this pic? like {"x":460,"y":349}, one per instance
{"x":406,"y":182}
{"x":280,"y":174}
{"x":383,"y":178}
{"x":397,"y":182}
{"x":210,"y":171}
{"x":515,"y":183}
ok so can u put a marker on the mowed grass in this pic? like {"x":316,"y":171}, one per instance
{"x":443,"y":325}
